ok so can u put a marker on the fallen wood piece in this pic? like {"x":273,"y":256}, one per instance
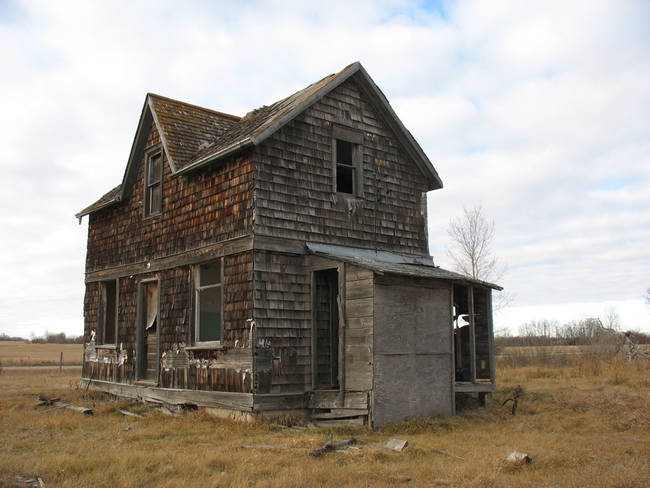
{"x":76,"y":408}
{"x":332,"y":446}
{"x":266,"y":446}
{"x":57,"y":403}
{"x":168,"y":412}
{"x":31,"y":482}
{"x":396,"y":444}
{"x":445,"y":453}
{"x":131,"y":414}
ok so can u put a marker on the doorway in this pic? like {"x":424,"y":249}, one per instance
{"x":147,"y":365}
{"x":325,"y":331}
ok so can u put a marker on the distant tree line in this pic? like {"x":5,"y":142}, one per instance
{"x":584,"y":332}
{"x":48,"y":338}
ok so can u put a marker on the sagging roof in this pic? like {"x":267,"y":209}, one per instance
{"x":392,"y":263}
{"x":193,"y":136}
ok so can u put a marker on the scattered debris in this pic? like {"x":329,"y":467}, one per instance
{"x":518,"y":458}
{"x":127,"y":428}
{"x":56,"y":403}
{"x":131,"y":414}
{"x":517,"y":393}
{"x":397,"y":444}
{"x":265,"y":446}
{"x":332,"y":446}
{"x":31,"y":482}
{"x":445,"y":453}
{"x":168,"y":412}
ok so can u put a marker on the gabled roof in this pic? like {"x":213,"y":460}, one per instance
{"x":392,"y":263}
{"x":193,"y":137}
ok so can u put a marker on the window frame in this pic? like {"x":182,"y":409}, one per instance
{"x":150,"y":155}
{"x":197,"y":288}
{"x":355,"y":138}
{"x":102,"y":315}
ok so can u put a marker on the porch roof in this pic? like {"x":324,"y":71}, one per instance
{"x":393,"y":263}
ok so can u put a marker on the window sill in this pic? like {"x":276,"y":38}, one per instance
{"x":105,"y":346}
{"x":202,"y":346}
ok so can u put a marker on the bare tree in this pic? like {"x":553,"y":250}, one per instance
{"x":472,"y":235}
{"x":647,"y":296}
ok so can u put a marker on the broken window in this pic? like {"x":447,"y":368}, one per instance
{"x":208,"y":318}
{"x":107,"y":326}
{"x":153,"y":196}
{"x":347,"y":161}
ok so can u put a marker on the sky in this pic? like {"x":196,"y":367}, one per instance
{"x":537,"y":111}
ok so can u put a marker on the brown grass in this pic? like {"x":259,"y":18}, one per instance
{"x":587,"y":425}
{"x":16,"y":353}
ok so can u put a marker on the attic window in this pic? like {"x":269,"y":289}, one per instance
{"x":153,"y":195}
{"x":347,"y":168}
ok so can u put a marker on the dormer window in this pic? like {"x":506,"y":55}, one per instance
{"x":347,"y":156}
{"x":153,"y":178}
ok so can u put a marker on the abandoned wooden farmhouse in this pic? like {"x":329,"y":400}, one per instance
{"x":279,"y":261}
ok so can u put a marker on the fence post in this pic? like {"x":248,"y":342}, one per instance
{"x":61,"y":362}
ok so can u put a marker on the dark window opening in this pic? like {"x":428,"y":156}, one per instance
{"x":345,"y":169}
{"x":325,"y":354}
{"x":107,"y":333}
{"x":208,"y":303}
{"x":153,"y":197}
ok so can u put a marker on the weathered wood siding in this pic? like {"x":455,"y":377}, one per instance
{"x":413,"y":370}
{"x":202,"y":208}
{"x":359,"y":292}
{"x":228,"y":369}
{"x":198,"y":210}
{"x":294,"y":181}
{"x":282,"y":298}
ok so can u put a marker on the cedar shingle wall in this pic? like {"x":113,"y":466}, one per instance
{"x":294,"y":196}
{"x":283,"y":319}
{"x":205,"y":207}
{"x":228,"y":370}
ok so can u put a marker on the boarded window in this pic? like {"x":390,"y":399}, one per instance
{"x":208,"y":302}
{"x":107,"y":326}
{"x":153,"y":196}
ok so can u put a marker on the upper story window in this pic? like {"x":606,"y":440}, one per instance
{"x":153,"y":179}
{"x":108,"y":306}
{"x":347,"y":164}
{"x":208,"y":300}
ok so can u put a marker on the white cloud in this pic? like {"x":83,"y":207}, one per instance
{"x":538,"y":111}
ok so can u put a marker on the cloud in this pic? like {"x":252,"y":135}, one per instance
{"x":538,"y":111}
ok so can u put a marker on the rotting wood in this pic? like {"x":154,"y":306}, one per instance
{"x":131,"y":414}
{"x":56,"y":403}
{"x":332,"y":446}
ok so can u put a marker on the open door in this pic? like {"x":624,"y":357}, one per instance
{"x":325,"y":330}
{"x":147,"y":369}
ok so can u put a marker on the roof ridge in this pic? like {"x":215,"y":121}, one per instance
{"x":217,"y":112}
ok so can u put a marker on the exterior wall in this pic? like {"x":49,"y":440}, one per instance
{"x":282,"y":298}
{"x":413,"y":361}
{"x":294,"y":181}
{"x":203,"y":208}
{"x":228,"y":369}
{"x":359,"y":292}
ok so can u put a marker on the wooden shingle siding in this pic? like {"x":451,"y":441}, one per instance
{"x":294,"y":182}
{"x":198,"y":210}
{"x":282,"y":299}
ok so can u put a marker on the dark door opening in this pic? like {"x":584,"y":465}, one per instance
{"x":148,"y":333}
{"x":326,"y":330}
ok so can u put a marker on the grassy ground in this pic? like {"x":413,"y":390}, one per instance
{"x":587,"y":425}
{"x":15,"y":353}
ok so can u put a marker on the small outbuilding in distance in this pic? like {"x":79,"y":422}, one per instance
{"x":279,"y":262}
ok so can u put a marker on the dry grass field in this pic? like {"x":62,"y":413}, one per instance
{"x":587,"y":425}
{"x":15,"y":353}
